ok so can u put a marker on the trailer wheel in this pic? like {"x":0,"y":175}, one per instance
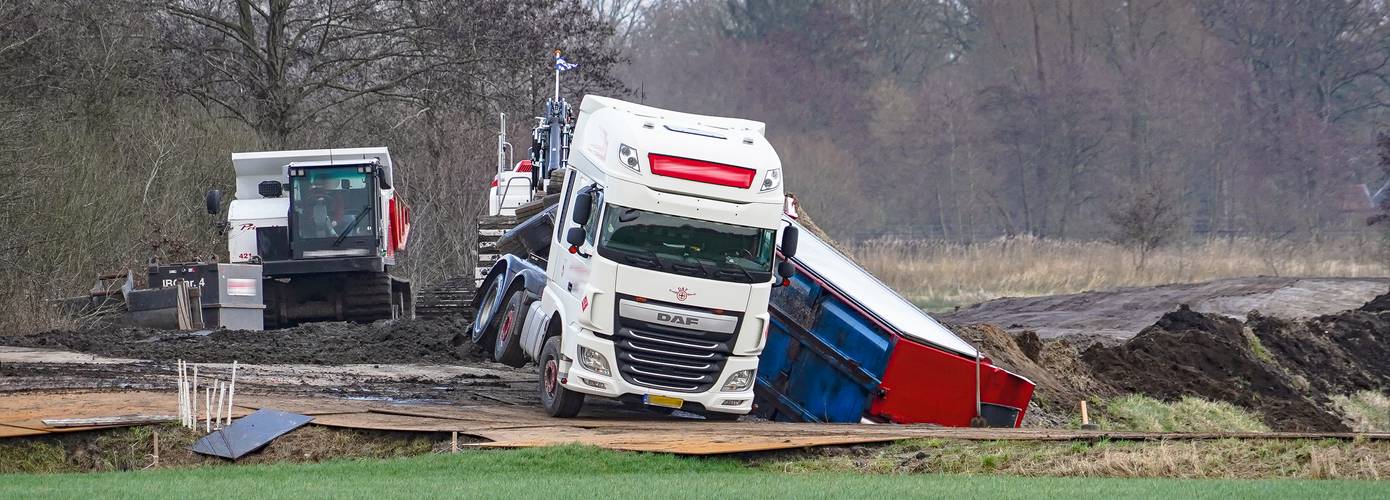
{"x":483,"y":324}
{"x":557,"y":400}
{"x":507,"y":345}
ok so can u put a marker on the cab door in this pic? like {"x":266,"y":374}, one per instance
{"x":570,"y":270}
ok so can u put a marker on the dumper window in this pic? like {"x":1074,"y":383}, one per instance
{"x":332,"y":201}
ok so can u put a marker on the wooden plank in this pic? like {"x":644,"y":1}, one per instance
{"x":35,"y":424}
{"x":9,"y":431}
{"x":385,"y":422}
{"x":113,"y":420}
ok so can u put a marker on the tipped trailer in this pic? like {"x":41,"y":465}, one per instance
{"x":844,"y":347}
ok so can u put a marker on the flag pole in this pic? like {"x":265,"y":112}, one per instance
{"x":556,"y":64}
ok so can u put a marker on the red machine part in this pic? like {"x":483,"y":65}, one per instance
{"x":923,"y":384}
{"x":400,"y":226}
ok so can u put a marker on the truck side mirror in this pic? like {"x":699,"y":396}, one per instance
{"x":785,"y":271}
{"x":582,"y":203}
{"x":214,"y":201}
{"x":789,"y":236}
{"x":575,"y":237}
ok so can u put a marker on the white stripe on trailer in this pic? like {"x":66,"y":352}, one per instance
{"x":870,"y":294}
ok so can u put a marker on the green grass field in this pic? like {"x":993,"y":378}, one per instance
{"x":576,"y":472}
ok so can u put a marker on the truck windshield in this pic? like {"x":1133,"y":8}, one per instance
{"x":692,"y":247}
{"x":331,"y":202}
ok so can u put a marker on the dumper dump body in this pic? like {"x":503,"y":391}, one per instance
{"x":843,"y":347}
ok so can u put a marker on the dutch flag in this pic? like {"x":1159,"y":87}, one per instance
{"x":562,"y":65}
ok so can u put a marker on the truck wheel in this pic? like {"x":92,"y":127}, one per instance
{"x":483,"y":323}
{"x":507,"y":345}
{"x":557,"y":400}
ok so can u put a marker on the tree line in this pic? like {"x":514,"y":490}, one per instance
{"x":116,"y":115}
{"x":968,"y":119}
{"x":1138,"y":120}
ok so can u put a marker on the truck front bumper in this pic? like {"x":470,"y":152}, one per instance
{"x":580,"y":379}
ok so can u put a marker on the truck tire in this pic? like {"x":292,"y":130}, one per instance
{"x":507,"y":339}
{"x":555,"y":398}
{"x":484,"y":322}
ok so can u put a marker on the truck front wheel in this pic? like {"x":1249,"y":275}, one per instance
{"x":557,"y":400}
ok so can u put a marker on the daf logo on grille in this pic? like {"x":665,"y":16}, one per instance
{"x":677,"y":319}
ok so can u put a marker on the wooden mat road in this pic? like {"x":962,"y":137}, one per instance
{"x":521,"y":426}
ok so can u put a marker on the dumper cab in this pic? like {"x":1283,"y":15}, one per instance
{"x":326,"y":226}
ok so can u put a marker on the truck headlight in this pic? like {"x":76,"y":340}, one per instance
{"x":771,"y":180}
{"x":627,"y":155}
{"x":739,"y":381}
{"x":593,"y":361}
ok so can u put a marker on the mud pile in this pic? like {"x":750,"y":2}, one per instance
{"x":413,"y":341}
{"x":1187,"y":353}
{"x":1061,"y":379}
{"x":1286,"y":371}
{"x":1334,"y":354}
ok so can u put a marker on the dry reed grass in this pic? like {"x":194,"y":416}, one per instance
{"x":939,"y":275}
{"x":1365,"y":411}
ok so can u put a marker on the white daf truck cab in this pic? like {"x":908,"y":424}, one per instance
{"x":653,"y":285}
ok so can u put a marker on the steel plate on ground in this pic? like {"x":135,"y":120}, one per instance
{"x":249,"y":433}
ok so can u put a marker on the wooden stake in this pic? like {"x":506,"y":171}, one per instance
{"x":195,"y":395}
{"x":207,"y":409}
{"x":156,"y":450}
{"x":1086,"y":419}
{"x":454,"y":443}
{"x":231,"y":393}
{"x":221,"y":388}
{"x":183,"y":398}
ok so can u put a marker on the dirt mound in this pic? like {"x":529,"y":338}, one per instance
{"x":415,"y":341}
{"x":1054,"y":366}
{"x":1333,"y":354}
{"x":1187,"y":353}
{"x":1378,"y":304}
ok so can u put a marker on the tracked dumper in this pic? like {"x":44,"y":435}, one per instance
{"x":327,"y":229}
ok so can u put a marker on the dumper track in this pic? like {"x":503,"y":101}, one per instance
{"x":452,"y":297}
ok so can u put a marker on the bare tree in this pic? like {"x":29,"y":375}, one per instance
{"x":277,"y":65}
{"x":1145,"y":221}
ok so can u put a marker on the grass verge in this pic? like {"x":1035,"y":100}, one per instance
{"x":1223,"y":458}
{"x":1190,"y":414}
{"x":588,"y":472}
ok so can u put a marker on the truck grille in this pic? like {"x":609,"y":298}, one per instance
{"x":670,"y":358}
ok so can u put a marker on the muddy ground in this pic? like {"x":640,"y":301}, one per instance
{"x":1285,"y":368}
{"x":1114,"y":316}
{"x":420,"y":341}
